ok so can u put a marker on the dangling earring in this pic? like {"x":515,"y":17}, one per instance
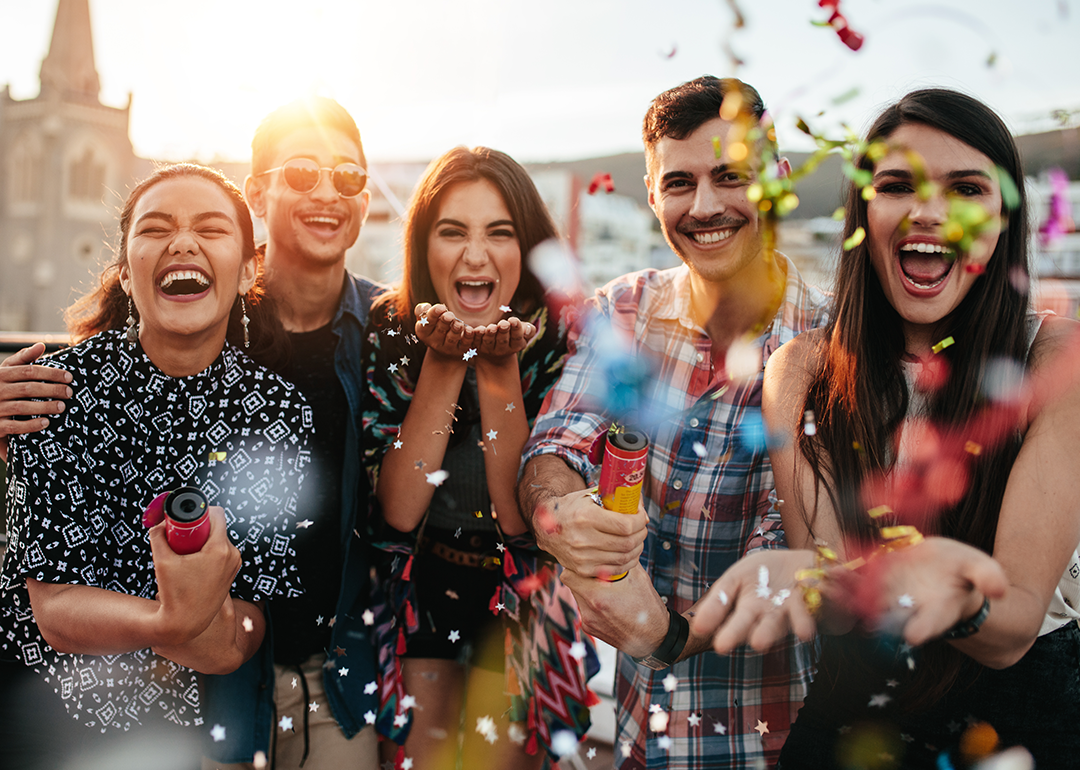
{"x":244,"y":321}
{"x":132,"y":325}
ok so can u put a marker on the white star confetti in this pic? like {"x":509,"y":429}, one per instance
{"x":762,"y":727}
{"x":664,"y":742}
{"x":423,"y":321}
{"x":217,"y":733}
{"x":392,"y":368}
{"x":304,"y":524}
{"x":577,"y":650}
{"x":500,"y":607}
{"x":392,"y":333}
{"x":723,"y":597}
{"x":504,"y":308}
{"x":781,"y":596}
{"x":670,"y":683}
{"x":469,"y":354}
{"x":408,"y":702}
{"x":294,"y":682}
{"x":249,"y":625}
{"x":655,"y":708}
{"x":369,"y":717}
{"x":906,"y":601}
{"x":500,"y":547}
{"x":719,"y":728}
{"x":369,"y":618}
{"x":457,"y":533}
{"x":625,"y":747}
{"x":404,"y":360}
{"x":437,"y":477}
{"x":401,"y":720}
{"x":892,"y":683}
{"x":319,"y":620}
{"x":454,"y":636}
{"x":763,"y":582}
{"x":516,"y":733}
{"x":406,"y":763}
{"x":259,"y":760}
{"x":313,"y":706}
{"x":485,"y":725}
{"x":398,"y":444}
{"x":699,"y":449}
{"x":492,"y":435}
{"x":658,"y":721}
{"x":285,"y":723}
{"x":511,"y":407}
{"x":879,"y":701}
{"x":694,"y":720}
{"x":371,"y":687}
{"x":343,"y":672}
{"x":591,"y":753}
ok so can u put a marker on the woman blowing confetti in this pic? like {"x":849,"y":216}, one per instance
{"x":105,"y":626}
{"x":460,"y":358}
{"x":934,"y":421}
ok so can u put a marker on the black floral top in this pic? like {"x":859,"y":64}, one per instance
{"x":77,"y":490}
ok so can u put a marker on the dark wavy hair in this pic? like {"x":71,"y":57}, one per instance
{"x":106,"y":306}
{"x":532,"y":223}
{"x":859,"y":395}
{"x":682,"y":110}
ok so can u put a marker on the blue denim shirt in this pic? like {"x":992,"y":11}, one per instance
{"x":243,"y":701}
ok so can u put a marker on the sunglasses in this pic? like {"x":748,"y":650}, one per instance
{"x":303,"y":175}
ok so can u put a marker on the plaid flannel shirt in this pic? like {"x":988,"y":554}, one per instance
{"x":704,"y":513}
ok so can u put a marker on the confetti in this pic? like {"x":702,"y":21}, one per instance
{"x":452,"y":594}
{"x":694,"y":720}
{"x":723,"y":597}
{"x":371,"y":687}
{"x":313,"y":706}
{"x":437,"y":477}
{"x":454,"y":636}
{"x":419,"y":465}
{"x":664,"y":742}
{"x":392,"y":368}
{"x":591,"y":753}
{"x":601,"y":179}
{"x":517,"y":734}
{"x":406,"y":763}
{"x":879,"y":511}
{"x":423,"y":321}
{"x":719,"y":728}
{"x":285,"y":723}
{"x":408,"y":702}
{"x":404,"y":360}
{"x":972,"y":448}
{"x":248,"y":624}
{"x":781,"y":597}
{"x":339,"y":651}
{"x":217,"y":733}
{"x":577,"y":650}
{"x":469,"y":354}
{"x":369,"y":618}
{"x":510,"y":407}
{"x":259,"y":760}
{"x":304,"y":524}
{"x":400,"y":720}
{"x":217,"y":457}
{"x":625,"y":747}
{"x":763,"y":582}
{"x":398,"y":444}
{"x":563,"y":743}
{"x":855,"y":239}
{"x":343,"y":672}
{"x":658,"y":722}
{"x":906,"y":601}
{"x":670,"y":683}
{"x":809,"y":423}
{"x":975,"y":268}
{"x":492,"y":435}
{"x":940,"y":346}
{"x":762,"y":727}
{"x":716,"y":147}
{"x":879,"y":701}
{"x":505,"y":308}
{"x":485,"y":725}
{"x":699,"y":449}
{"x":295,"y":681}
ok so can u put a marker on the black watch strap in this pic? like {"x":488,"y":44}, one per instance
{"x":671,"y":648}
{"x":965,"y":628}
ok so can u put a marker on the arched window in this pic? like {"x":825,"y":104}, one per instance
{"x":86,"y":177}
{"x":25,"y":164}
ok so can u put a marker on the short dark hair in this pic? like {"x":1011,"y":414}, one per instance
{"x":532,"y":222}
{"x":307,"y":112}
{"x":682,"y":110}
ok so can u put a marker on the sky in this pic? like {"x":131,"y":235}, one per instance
{"x":557,"y":80}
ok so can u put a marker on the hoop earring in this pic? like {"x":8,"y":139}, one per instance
{"x":244,"y":321}
{"x":132,"y":326}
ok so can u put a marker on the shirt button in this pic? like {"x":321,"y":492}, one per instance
{"x":694,"y":422}
{"x":700,"y":357}
{"x":677,"y":483}
{"x":667,"y":545}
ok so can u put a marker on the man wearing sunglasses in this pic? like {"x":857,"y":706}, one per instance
{"x":309,"y":693}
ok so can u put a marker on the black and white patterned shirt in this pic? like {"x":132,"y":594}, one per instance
{"x":77,"y":490}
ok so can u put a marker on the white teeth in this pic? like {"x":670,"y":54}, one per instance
{"x":927,"y":248}
{"x":713,"y":236}
{"x":475,"y":283}
{"x":928,"y":285}
{"x":183,"y":275}
{"x":324,"y":220}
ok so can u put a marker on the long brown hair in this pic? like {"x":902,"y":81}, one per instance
{"x":532,"y":223}
{"x":106,"y":306}
{"x":859,"y":395}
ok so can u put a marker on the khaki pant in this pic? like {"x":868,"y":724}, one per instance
{"x":328,"y":748}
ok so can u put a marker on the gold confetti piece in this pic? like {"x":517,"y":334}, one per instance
{"x":855,"y":239}
{"x":673,"y":505}
{"x":879,"y":511}
{"x":738,"y":151}
{"x":972,"y":448}
{"x":478,"y":514}
{"x":943,"y":344}
{"x":217,"y":456}
{"x":868,"y":193}
{"x":716,"y":148}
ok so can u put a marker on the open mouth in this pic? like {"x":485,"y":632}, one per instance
{"x":926,"y":265}
{"x":706,"y":237}
{"x":322,"y":222}
{"x":183,"y":282}
{"x":474,"y":293}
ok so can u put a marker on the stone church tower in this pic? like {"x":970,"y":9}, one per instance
{"x":66,"y":163}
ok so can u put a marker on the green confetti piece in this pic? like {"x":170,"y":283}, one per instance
{"x":943,"y":344}
{"x":855,"y":239}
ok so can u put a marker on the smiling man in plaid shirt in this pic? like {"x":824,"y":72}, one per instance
{"x":708,"y":477}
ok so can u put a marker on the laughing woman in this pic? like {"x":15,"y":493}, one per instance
{"x":459,"y":360}
{"x":944,"y":405}
{"x":111,"y":621}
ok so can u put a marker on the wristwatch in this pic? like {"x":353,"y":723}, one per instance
{"x":671,"y":648}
